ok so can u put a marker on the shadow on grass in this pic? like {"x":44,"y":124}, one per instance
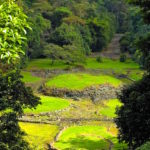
{"x":81,"y":142}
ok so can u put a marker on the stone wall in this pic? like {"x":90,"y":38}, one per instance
{"x":95,"y":93}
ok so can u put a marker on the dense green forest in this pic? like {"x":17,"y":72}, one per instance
{"x":73,"y":28}
{"x":74,"y":75}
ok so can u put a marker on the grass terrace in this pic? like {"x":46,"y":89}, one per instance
{"x":49,"y":104}
{"x":110,"y":107}
{"x":79,"y":81}
{"x":29,"y":78}
{"x":107,"y":63}
{"x":36,"y":64}
{"x":129,"y":67}
{"x":39,"y":135}
{"x":86,"y":138}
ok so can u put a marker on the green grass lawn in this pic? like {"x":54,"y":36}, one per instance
{"x":79,"y":81}
{"x":39,"y":135}
{"x":28,"y":78}
{"x":136,"y":74}
{"x":129,"y":68}
{"x":49,"y":104}
{"x":45,"y":64}
{"x":115,"y":65}
{"x":91,"y":63}
{"x":110,"y":108}
{"x":85,"y":138}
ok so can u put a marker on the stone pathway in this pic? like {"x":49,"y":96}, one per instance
{"x":113,"y":49}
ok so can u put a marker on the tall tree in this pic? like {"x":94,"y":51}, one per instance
{"x":145,"y":6}
{"x":133,"y":118}
{"x":14,"y":95}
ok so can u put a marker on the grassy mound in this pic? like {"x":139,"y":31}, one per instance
{"x":86,"y":138}
{"x":110,"y":108}
{"x":39,"y":135}
{"x":28,"y":78}
{"x":80,"y":81}
{"x":49,"y":104}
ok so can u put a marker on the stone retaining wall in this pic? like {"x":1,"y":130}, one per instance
{"x":95,"y":93}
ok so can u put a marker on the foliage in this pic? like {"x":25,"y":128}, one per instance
{"x":101,"y":32}
{"x":14,"y":94}
{"x":58,"y":14}
{"x":70,"y":54}
{"x":13,"y":27}
{"x":87,"y":24}
{"x":123,"y":58}
{"x":145,"y":146}
{"x":36,"y":38}
{"x":99,"y":59}
{"x":74,"y":54}
{"x":11,"y":135}
{"x":144,"y":45}
{"x":133,"y":116}
{"x":66,"y":35}
{"x":125,"y":43}
{"x":54,"y":52}
{"x":42,"y":6}
{"x":74,"y":20}
{"x":120,"y":11}
{"x":14,"y":97}
{"x":137,"y":31}
{"x":144,"y":5}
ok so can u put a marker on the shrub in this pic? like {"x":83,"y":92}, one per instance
{"x":59,"y":14}
{"x":145,"y":146}
{"x":54,"y":52}
{"x":133,"y":116}
{"x":99,"y":59}
{"x":125,"y":42}
{"x":123,"y":58}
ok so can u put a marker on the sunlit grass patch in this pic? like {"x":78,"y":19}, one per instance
{"x":49,"y":104}
{"x":110,"y":108}
{"x":117,"y":145}
{"x":85,"y":138}
{"x":136,"y":74}
{"x":28,"y":78}
{"x":91,"y":63}
{"x":107,"y":63}
{"x":79,"y":81}
{"x":45,"y":64}
{"x":39,"y":135}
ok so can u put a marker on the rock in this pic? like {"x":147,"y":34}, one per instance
{"x":76,"y":98}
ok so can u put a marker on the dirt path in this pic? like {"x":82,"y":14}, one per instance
{"x":110,"y":143}
{"x":113,"y":49}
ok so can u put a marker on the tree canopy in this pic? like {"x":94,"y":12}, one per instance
{"x":14,"y":95}
{"x":133,"y":117}
{"x":87,"y":24}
